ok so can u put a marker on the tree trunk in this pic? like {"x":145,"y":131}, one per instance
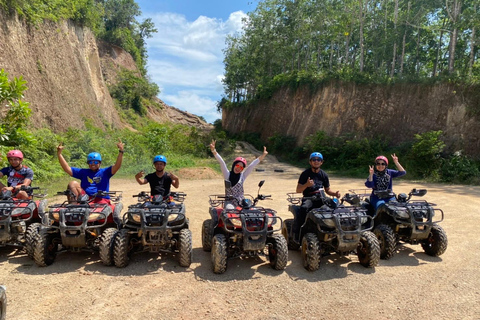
{"x":392,"y":71}
{"x":472,"y":47}
{"x":361,"y":35}
{"x":402,"y":60}
{"x":454,"y":14}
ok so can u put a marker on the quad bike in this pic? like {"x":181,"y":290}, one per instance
{"x":333,"y":227}
{"x":154,"y":224}
{"x":82,"y":224}
{"x":410,"y":221}
{"x":247,"y":230}
{"x":20,"y":219}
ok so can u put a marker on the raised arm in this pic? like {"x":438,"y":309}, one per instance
{"x":223,"y":166}
{"x":118,"y":163}
{"x":175,"y":180}
{"x":140,"y":179}
{"x":63,"y":162}
{"x":397,"y":164}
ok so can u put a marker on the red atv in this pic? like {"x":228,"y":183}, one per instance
{"x":247,"y":230}
{"x":86,"y":224}
{"x":20,"y":219}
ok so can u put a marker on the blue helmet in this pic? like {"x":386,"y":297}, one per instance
{"x":94,"y":156}
{"x":316,"y":155}
{"x":161,"y":158}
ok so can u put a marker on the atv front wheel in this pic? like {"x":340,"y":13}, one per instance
{"x":45,"y":249}
{"x":277,"y":252}
{"x":107,"y":240}
{"x":368,"y":250}
{"x":121,"y":253}
{"x":219,"y":253}
{"x":286,"y":231}
{"x":185,"y":248}
{"x":30,"y":235}
{"x":207,"y":235}
{"x":3,"y":303}
{"x":311,"y":252}
{"x":387,"y":240}
{"x":436,"y":243}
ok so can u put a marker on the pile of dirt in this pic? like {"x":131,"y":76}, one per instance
{"x":198,"y":173}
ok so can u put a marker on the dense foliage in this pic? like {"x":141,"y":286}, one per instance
{"x":423,"y":157}
{"x":359,"y":40}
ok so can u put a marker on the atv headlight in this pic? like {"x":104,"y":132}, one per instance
{"x":329,"y":222}
{"x":237,"y":222}
{"x":135,"y":217}
{"x":271,"y":220}
{"x":402,"y":214}
{"x":172,"y":217}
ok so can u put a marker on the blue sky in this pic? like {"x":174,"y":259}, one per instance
{"x":185,"y":57}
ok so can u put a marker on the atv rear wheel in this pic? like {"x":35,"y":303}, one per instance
{"x":121,"y":254}
{"x":219,"y":253}
{"x":207,"y":235}
{"x":311,"y":252}
{"x":286,"y":231}
{"x":45,"y":249}
{"x":185,"y":248}
{"x":30,"y":235}
{"x":107,"y":240}
{"x":387,"y":240}
{"x":368,"y":250}
{"x":436,"y":243}
{"x":277,"y":251}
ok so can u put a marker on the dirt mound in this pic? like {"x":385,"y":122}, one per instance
{"x":198,"y":173}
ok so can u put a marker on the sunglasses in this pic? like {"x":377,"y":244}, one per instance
{"x":239,"y":166}
{"x":93,"y":162}
{"x":381,"y":164}
{"x":316,"y":159}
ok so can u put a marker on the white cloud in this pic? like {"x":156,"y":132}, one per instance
{"x":186,"y":60}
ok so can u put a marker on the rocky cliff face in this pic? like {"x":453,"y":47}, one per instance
{"x":396,"y":112}
{"x":66,"y":72}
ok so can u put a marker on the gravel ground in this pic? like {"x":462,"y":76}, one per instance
{"x":411,"y":285}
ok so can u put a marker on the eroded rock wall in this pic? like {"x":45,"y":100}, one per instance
{"x":397,"y":112}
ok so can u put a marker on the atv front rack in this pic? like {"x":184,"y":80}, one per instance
{"x":218,"y":200}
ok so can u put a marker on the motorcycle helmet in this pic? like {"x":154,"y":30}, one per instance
{"x":94,"y":156}
{"x":316,"y":155}
{"x":382,"y":158}
{"x":15,"y":154}
{"x":240,"y":159}
{"x":161,"y":158}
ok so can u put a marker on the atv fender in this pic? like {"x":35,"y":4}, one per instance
{"x":294,"y":209}
{"x":214,"y":214}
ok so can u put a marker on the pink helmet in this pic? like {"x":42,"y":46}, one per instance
{"x":15,"y":154}
{"x":382,"y":158}
{"x":240,"y":159}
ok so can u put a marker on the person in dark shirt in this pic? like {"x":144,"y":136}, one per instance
{"x":17,"y":173}
{"x":310,"y":182}
{"x":160,"y":181}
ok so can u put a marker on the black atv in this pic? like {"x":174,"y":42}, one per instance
{"x":246,"y":230}
{"x":154,"y":224}
{"x":410,"y":221}
{"x":20,"y":219}
{"x":82,"y":224}
{"x":333,"y":227}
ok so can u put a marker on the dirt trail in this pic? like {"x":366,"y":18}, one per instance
{"x":412,"y":285}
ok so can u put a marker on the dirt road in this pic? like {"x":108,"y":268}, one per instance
{"x":412,"y":285}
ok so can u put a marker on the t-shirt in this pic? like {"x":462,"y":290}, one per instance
{"x":159,"y":185}
{"x":320,"y":179}
{"x":93,"y":181}
{"x":15,"y":177}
